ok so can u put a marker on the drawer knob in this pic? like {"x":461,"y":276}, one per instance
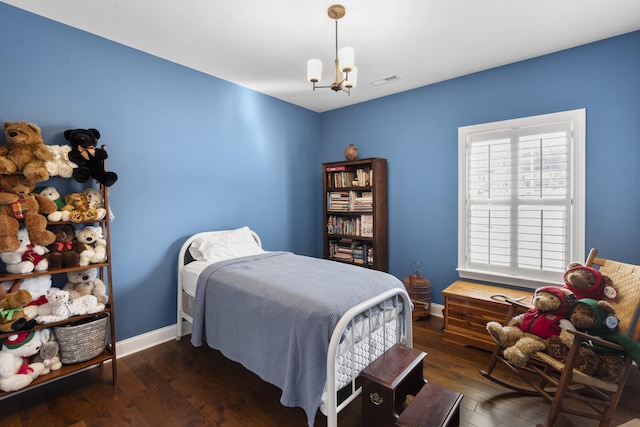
{"x":376,"y":399}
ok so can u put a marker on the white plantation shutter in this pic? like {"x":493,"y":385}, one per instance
{"x":521,"y":199}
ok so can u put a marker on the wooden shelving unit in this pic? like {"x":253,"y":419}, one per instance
{"x":104,"y":273}
{"x":355,"y":212}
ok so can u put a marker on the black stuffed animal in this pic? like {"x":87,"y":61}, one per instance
{"x":89,"y":158}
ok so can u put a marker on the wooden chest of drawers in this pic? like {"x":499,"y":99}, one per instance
{"x":468,"y":307}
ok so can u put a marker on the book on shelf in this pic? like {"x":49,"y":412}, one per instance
{"x":353,"y":251}
{"x":366,"y":225}
{"x":336,"y":168}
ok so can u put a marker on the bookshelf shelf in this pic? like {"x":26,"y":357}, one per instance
{"x":355,"y":212}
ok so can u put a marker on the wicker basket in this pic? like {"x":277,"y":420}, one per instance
{"x":82,"y":340}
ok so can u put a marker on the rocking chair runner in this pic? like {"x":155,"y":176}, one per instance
{"x":560,"y":383}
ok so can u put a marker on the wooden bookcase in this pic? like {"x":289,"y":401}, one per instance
{"x":355,"y":212}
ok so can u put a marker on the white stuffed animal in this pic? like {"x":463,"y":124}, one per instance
{"x":37,"y":286}
{"x":15,"y":373}
{"x":52,"y":194}
{"x":60,"y":165}
{"x":27,"y":258}
{"x":92,"y":237}
{"x":86,"y":282}
{"x":62,"y":308}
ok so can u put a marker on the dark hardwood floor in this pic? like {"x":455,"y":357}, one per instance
{"x":175,"y":384}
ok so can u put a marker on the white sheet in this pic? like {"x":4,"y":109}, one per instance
{"x":189,"y":276}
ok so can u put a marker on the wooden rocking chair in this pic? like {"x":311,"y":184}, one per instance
{"x":560,"y":383}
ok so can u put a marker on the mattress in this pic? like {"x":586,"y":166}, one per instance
{"x":189,"y":280}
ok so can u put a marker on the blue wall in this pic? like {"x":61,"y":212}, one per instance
{"x":192,"y":152}
{"x":417,"y":131}
{"x":180,"y":138}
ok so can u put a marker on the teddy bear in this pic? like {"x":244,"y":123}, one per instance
{"x":588,"y":282}
{"x":12,"y":317}
{"x":77,"y":205}
{"x":529,"y":331}
{"x":62,"y":307}
{"x":38,"y":287}
{"x":89,"y":158}
{"x":24,"y":151}
{"x":53,"y":194}
{"x":49,"y":353}
{"x":15,"y":370}
{"x":19,"y":204}
{"x":66,"y":251}
{"x":597,"y":318}
{"x":60,"y":165}
{"x":95,"y":199}
{"x":27,"y":258}
{"x":86,"y":282}
{"x":92,"y":236}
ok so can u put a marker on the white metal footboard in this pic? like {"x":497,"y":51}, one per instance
{"x":404,"y":334}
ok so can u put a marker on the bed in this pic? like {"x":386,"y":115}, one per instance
{"x":306,"y":325}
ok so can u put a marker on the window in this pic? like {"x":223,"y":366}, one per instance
{"x":521,"y":199}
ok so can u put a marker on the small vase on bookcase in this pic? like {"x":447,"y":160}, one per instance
{"x":351,"y":152}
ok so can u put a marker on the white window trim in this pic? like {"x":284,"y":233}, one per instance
{"x":576,"y":248}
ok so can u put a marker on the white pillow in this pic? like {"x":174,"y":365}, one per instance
{"x":225,"y":245}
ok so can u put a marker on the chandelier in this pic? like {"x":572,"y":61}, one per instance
{"x":343,"y":61}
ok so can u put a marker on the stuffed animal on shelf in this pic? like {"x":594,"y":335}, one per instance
{"x":15,"y":370}
{"x":77,"y":206}
{"x":49,"y":353}
{"x":588,"y":282}
{"x":62,"y":308}
{"x":18,"y":203}
{"x":528,"y":332}
{"x":27,"y":258}
{"x":598,"y":318}
{"x":38,"y":287}
{"x":60,"y":165}
{"x":53,"y":194}
{"x":89,"y":158}
{"x":86,"y":282}
{"x":12,"y":317}
{"x":92,"y":236}
{"x":66,"y":251}
{"x":95,"y":199}
{"x":24,"y":151}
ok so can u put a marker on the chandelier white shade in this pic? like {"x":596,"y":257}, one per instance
{"x":344,"y":61}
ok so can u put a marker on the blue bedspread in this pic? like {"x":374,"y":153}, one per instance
{"x":274,"y":313}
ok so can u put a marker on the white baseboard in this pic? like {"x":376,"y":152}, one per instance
{"x":142,"y":342}
{"x":437,"y":310}
{"x":147,"y":340}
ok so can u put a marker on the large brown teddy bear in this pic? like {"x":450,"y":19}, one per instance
{"x":597,"y":318}
{"x":19,"y":204}
{"x":588,"y":282}
{"x":24,"y":152}
{"x":528,"y":332}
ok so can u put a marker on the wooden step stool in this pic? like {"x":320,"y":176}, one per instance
{"x":434,"y":406}
{"x":386,"y":383}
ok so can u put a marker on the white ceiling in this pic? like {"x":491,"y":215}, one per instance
{"x":264,"y":45}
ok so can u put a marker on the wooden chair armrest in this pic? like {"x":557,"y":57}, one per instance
{"x":515,"y":308}
{"x":583,"y":336}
